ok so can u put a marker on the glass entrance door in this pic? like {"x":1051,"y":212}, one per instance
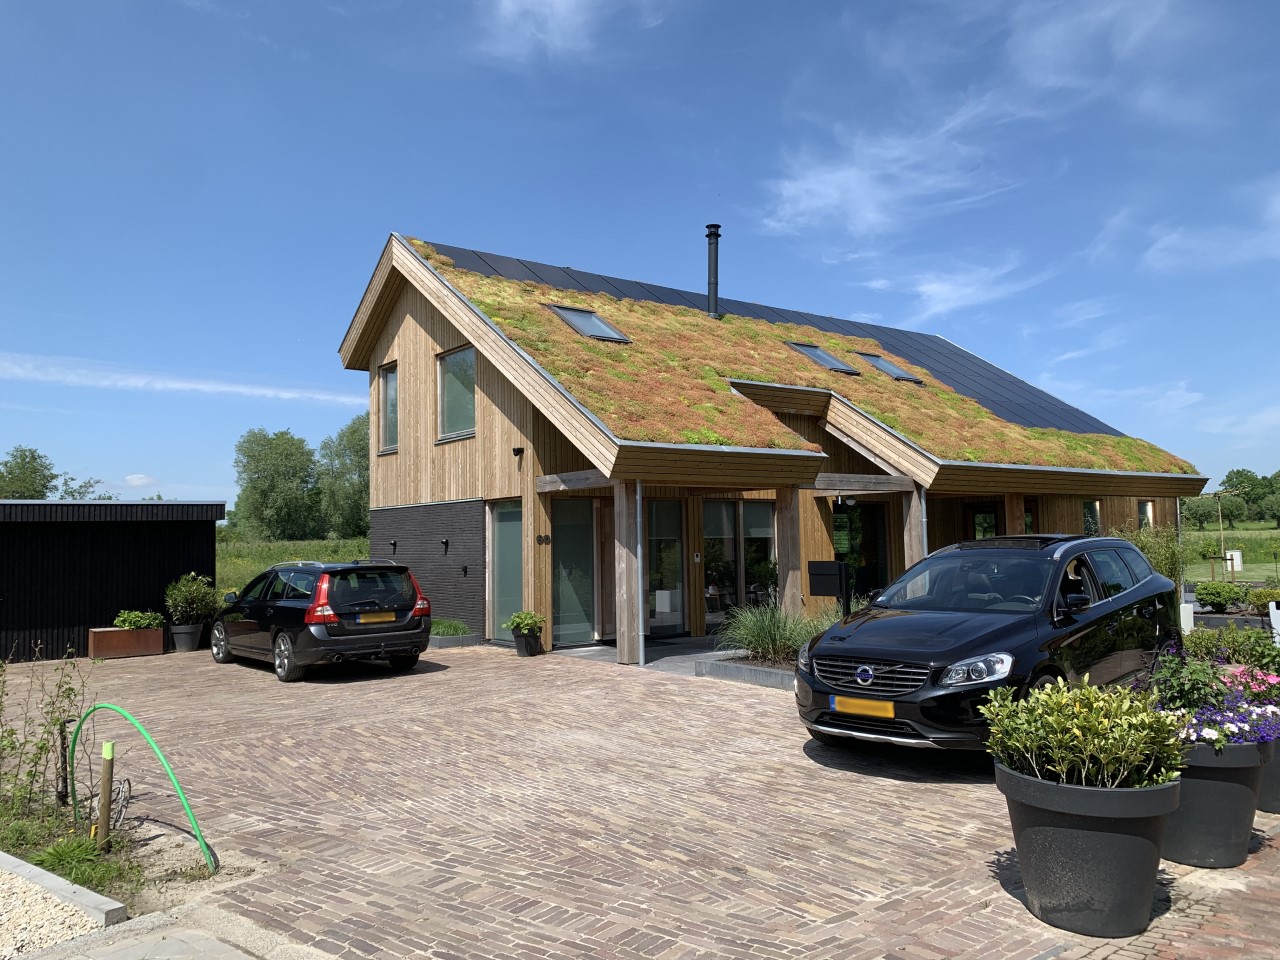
{"x":664,"y":566}
{"x":721,"y":586}
{"x":573,"y":566}
{"x":506,"y":565}
{"x":858,"y":533}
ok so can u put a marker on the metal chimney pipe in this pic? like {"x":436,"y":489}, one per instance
{"x":713,"y":270}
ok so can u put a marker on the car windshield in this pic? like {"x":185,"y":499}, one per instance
{"x":961,"y":580}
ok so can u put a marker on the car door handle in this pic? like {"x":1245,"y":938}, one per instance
{"x":1147,"y":611}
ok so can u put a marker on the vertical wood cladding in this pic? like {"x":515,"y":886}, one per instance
{"x":454,"y":578}
{"x":58,"y":578}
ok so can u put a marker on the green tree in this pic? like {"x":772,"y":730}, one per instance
{"x":277,"y":477}
{"x":1270,"y":507}
{"x":1200,"y":510}
{"x":1233,"y":509}
{"x":343,"y":480}
{"x":27,"y":474}
{"x":1247,"y":485}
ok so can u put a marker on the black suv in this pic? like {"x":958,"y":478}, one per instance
{"x":305,"y":612}
{"x":913,"y":667}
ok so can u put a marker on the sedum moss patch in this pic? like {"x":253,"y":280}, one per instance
{"x":669,"y":385}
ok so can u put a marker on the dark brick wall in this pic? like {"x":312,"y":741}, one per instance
{"x":453,"y":579}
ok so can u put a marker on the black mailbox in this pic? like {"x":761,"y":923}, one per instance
{"x":829,"y":578}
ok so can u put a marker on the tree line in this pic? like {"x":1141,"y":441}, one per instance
{"x":1244,"y":495}
{"x":288,"y":490}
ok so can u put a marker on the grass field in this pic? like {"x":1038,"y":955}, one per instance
{"x":239,"y":561}
{"x":1258,"y":540}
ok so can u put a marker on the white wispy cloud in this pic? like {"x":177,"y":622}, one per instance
{"x":1151,"y":398}
{"x":1105,"y":341}
{"x":76,"y":372}
{"x":942,"y":293}
{"x":878,"y":283}
{"x":1082,"y":311}
{"x":881,"y":182}
{"x":1177,"y":248}
{"x":517,"y":29}
{"x":1105,"y":244}
{"x":140,"y":480}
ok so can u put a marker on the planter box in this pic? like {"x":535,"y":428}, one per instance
{"x":1213,"y":824}
{"x":1088,"y":855}
{"x":107,"y":643}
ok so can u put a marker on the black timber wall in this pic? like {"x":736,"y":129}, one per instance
{"x":452,"y":577}
{"x":66,"y":567}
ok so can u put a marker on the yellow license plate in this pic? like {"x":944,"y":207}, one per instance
{"x":385,"y":616}
{"x":862,"y":707}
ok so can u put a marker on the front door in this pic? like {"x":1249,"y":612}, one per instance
{"x":859,"y":537}
{"x":573,"y":571}
{"x":664,"y":567}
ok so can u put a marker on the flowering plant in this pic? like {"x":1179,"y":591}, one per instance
{"x":1216,"y":708}
{"x":1260,"y":686}
{"x":1236,"y":721}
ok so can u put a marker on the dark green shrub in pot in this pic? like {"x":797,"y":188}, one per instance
{"x":526,"y":630}
{"x":139,"y":620}
{"x":1090,"y":775}
{"x":1217,"y":595}
{"x":190,"y":600}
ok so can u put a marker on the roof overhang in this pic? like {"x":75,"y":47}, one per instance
{"x":960,"y":477}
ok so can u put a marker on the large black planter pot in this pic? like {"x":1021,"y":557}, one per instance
{"x":186,"y":636}
{"x":1088,"y":855}
{"x":528,"y":642}
{"x":1214,"y":822}
{"x":1269,"y":787}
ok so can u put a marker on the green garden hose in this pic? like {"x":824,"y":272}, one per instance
{"x":71,"y":767}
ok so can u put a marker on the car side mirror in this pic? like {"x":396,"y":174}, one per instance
{"x":1078,"y":602}
{"x":230,"y":597}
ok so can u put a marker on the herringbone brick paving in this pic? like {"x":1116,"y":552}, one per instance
{"x":487,"y":806}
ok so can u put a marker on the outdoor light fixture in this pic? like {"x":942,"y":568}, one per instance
{"x":517,"y":451}
{"x":445,"y":544}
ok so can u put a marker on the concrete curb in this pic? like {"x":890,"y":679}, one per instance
{"x":445,"y":643}
{"x":742,"y":673}
{"x":101,"y":910}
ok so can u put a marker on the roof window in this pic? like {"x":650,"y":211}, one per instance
{"x":889,"y":367}
{"x":818,"y":355}
{"x":589,"y":324}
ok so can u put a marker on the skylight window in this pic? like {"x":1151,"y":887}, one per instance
{"x":889,"y":367}
{"x":589,"y":324}
{"x":818,"y":355}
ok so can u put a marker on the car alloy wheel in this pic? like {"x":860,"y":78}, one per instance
{"x":219,"y":645}
{"x":282,"y":656}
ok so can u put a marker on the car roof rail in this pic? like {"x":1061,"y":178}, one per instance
{"x":297,"y":563}
{"x":374,"y":560}
{"x":1029,"y":541}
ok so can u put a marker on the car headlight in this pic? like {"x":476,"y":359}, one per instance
{"x":994,"y":666}
{"x":802,"y":658}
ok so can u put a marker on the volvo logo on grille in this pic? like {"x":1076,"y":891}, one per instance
{"x":863,"y":675}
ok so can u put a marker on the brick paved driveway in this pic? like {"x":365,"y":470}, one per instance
{"x":487,"y":806}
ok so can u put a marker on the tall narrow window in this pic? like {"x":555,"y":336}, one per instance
{"x":458,"y":394}
{"x":389,"y":409}
{"x":1092,"y":518}
{"x":1146,"y":514}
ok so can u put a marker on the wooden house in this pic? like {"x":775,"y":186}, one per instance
{"x":632,"y":460}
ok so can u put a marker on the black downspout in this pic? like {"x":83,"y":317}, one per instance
{"x":713,"y":270}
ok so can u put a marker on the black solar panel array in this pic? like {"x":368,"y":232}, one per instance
{"x":998,"y":390}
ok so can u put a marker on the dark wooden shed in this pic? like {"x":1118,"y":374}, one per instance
{"x":66,"y":566}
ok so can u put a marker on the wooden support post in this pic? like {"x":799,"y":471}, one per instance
{"x":626,"y":572}
{"x":790,"y":582}
{"x":104,"y":793}
{"x":1015,"y":514}
{"x":912,"y":527}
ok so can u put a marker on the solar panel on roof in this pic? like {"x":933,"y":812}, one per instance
{"x":739,"y":307}
{"x":466,"y":259}
{"x":509,"y":267}
{"x":554,"y":276}
{"x":675,"y":298}
{"x":595,"y":283}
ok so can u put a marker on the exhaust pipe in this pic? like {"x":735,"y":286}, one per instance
{"x":337,"y":658}
{"x":414,"y":652}
{"x":713,"y":271}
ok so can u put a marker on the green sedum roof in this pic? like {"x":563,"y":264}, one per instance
{"x":669,"y":385}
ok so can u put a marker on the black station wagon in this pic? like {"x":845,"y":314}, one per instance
{"x":306,"y":612}
{"x":913,"y":667}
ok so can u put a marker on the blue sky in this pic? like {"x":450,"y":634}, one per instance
{"x":195,"y":193}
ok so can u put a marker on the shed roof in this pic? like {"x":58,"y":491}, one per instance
{"x":36,"y":511}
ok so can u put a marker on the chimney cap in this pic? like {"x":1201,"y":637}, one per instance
{"x":713,"y":228}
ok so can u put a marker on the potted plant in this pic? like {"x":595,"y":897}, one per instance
{"x":1262,"y":687}
{"x":1229,"y":737}
{"x":526,"y":630}
{"x":190,"y":600}
{"x":137,"y":633}
{"x":1090,"y":775}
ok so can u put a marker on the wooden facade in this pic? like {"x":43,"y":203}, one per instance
{"x":534,"y":444}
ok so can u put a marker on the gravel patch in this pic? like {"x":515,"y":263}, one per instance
{"x":33,"y":919}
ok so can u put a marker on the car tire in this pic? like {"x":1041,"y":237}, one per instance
{"x":219,"y":645}
{"x":403,"y":662}
{"x":1040,"y":681}
{"x":828,"y":739}
{"x":282,"y":658}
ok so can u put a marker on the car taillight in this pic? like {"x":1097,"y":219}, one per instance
{"x":320,"y":611}
{"x":423,"y":606}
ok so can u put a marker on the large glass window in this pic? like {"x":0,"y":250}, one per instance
{"x":758,"y":554}
{"x":719,"y":558}
{"x":1092,"y":518}
{"x":1146,"y":514}
{"x":458,"y":393}
{"x":389,"y":405}
{"x":573,"y":567}
{"x":664,"y":558}
{"x":506,"y":567}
